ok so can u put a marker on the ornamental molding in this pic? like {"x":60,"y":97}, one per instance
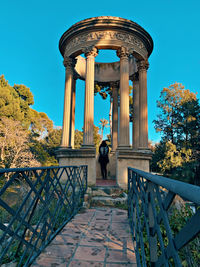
{"x":125,"y":38}
{"x":123,"y":52}
{"x":114,"y":84}
{"x":69,"y":63}
{"x":90,"y":51}
{"x":143,"y":65}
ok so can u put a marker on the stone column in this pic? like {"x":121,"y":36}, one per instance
{"x":69,"y":64}
{"x":136,"y":112}
{"x":72,"y":118}
{"x":143,"y":128}
{"x":124,"y":99}
{"x":88,"y":139}
{"x":115,"y":86}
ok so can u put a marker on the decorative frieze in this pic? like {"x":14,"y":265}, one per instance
{"x":105,"y":35}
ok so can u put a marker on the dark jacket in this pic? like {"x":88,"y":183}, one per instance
{"x":103,"y":153}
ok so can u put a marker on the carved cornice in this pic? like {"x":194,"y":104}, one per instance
{"x":106,"y":28}
{"x":90,"y":51}
{"x":143,"y":65}
{"x":123,"y":52}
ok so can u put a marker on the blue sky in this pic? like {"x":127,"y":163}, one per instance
{"x":29,"y":55}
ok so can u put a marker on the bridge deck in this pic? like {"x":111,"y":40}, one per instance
{"x":95,"y":237}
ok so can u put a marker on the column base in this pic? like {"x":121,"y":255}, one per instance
{"x":84,"y":146}
{"x":61,"y":147}
{"x":123,"y":147}
{"x":144,"y":149}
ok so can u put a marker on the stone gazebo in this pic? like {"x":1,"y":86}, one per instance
{"x":133,"y":46}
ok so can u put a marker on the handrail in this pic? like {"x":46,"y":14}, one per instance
{"x":35,"y":168}
{"x":35,"y":203}
{"x":180,"y":188}
{"x":152,"y":211}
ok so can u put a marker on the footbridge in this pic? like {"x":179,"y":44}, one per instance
{"x":43,"y":223}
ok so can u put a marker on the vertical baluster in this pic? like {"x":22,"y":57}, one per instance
{"x":152,"y":238}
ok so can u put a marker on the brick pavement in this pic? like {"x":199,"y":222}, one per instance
{"x":95,"y":237}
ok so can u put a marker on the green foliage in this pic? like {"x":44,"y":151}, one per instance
{"x":15,"y":103}
{"x":190,"y":254}
{"x":97,"y":137}
{"x":78,"y":139}
{"x":178,"y":154}
{"x":25,"y":128}
{"x":171,"y":104}
{"x":103,"y":90}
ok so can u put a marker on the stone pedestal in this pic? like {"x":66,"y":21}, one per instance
{"x":77,"y":157}
{"x":130,"y":158}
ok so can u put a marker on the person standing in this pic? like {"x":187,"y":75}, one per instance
{"x":103,"y":158}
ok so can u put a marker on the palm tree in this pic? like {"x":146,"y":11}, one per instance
{"x":103,"y":123}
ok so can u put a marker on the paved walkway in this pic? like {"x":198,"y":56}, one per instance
{"x":95,"y":237}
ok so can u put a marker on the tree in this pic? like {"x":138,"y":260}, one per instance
{"x":14,"y":149}
{"x":97,"y":137}
{"x":178,"y":153}
{"x":78,"y":139}
{"x":172,"y":104}
{"x":103,"y":123}
{"x":15,"y":103}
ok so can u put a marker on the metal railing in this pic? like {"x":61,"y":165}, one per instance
{"x":35,"y":204}
{"x":165,"y":230}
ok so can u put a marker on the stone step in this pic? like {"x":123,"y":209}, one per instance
{"x":113,"y":191}
{"x":112,"y":196}
{"x":108,"y":201}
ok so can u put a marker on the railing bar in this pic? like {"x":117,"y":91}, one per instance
{"x":157,"y":228}
{"x":11,"y":233}
{"x":22,"y":221}
{"x":140,"y":236}
{"x":177,"y":187}
{"x":37,"y":196}
{"x":188,"y":232}
{"x":9,"y":182}
{"x":15,"y":217}
{"x":168,"y":200}
{"x":171,"y":250}
{"x":36,"y":168}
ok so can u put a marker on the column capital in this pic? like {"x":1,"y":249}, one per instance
{"x":114,"y":84}
{"x":123,"y":52}
{"x":76,"y":76}
{"x":134,"y":77}
{"x":143,"y":65}
{"x":69,"y":62}
{"x":91,"y":51}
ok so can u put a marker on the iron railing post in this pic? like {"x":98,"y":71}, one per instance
{"x":152,"y":232}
